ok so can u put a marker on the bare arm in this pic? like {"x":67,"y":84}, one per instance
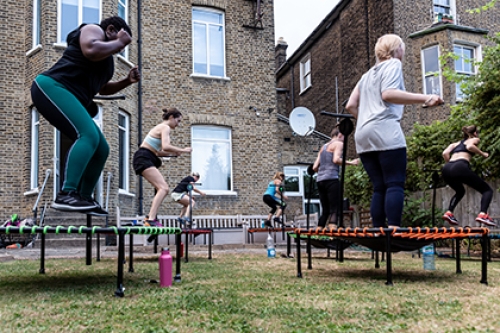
{"x":352,"y":105}
{"x":166,"y":148}
{"x":198,"y":191}
{"x":96,"y":48}
{"x":448,"y":150}
{"x":473,"y":148}
{"x":338,"y":152}
{"x":316,"y":163}
{"x":397,"y":96}
{"x":111,"y":88}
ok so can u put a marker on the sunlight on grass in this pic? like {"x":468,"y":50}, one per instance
{"x":251,"y":293}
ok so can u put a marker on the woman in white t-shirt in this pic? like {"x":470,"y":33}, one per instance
{"x":377,"y":103}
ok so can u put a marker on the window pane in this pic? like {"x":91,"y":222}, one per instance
{"x":431,"y":61}
{"x":210,"y":133}
{"x":216,"y":51}
{"x":69,"y":17}
{"x":211,"y":157}
{"x":432,"y":85}
{"x":200,"y":49}
{"x":122,"y":121}
{"x":122,"y":153}
{"x":90,"y":11}
{"x":208,"y":17}
{"x":212,"y":162}
{"x":307,"y":186}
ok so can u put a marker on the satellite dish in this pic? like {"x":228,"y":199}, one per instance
{"x":302,"y":121}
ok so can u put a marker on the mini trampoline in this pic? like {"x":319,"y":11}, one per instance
{"x":391,"y":240}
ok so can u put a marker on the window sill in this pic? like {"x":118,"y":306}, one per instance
{"x":303,"y":91}
{"x":34,"y":50}
{"x":209,"y":77}
{"x":60,"y":46}
{"x":125,"y":61}
{"x":125,"y":193}
{"x":33,"y":191}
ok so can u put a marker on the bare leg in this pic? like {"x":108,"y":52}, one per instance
{"x":153,"y":176}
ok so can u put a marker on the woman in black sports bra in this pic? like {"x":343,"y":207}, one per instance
{"x":457,"y":172}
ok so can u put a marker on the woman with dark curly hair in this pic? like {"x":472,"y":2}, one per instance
{"x":64,"y":96}
{"x":457,"y":172}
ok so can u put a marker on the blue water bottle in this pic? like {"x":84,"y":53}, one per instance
{"x":428,"y":255}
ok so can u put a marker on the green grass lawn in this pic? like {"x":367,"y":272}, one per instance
{"x":251,"y":293}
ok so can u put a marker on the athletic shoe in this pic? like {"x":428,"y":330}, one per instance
{"x":277,"y":220}
{"x":97,"y":211}
{"x":268,"y":224}
{"x":72,"y":201}
{"x":450,"y":218}
{"x":485,"y":219}
{"x":153,"y":223}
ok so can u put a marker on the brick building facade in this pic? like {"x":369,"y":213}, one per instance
{"x":322,"y":72}
{"x":233,"y":92}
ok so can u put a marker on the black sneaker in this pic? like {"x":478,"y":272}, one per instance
{"x":277,"y":220}
{"x":97,"y":211}
{"x":268,"y":224}
{"x":71,"y":201}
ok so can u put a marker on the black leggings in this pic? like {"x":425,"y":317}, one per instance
{"x":273,"y":204}
{"x":328,"y":191}
{"x":456,"y":174}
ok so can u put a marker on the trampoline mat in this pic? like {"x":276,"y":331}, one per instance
{"x":397,"y":244}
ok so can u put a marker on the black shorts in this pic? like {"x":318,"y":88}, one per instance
{"x":144,"y":159}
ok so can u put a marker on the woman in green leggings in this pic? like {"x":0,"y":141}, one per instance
{"x":64,"y":96}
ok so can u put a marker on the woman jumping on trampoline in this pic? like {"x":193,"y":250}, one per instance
{"x":146,"y":160}
{"x":327,"y":166}
{"x":457,"y":172}
{"x":274,"y":198}
{"x":377,"y":102}
{"x":64,"y":96}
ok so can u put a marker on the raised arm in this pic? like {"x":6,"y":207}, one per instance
{"x":472,"y":146}
{"x":166,"y":148}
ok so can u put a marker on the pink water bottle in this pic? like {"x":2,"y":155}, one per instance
{"x":165,"y":262}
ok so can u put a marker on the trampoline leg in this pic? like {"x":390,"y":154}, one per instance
{"x":186,"y":245}
{"x":389,"y":260}
{"x":121,"y":257}
{"x":210,"y":245}
{"x":42,"y":255}
{"x":340,"y":249}
{"x":309,"y":253}
{"x":178,"y":240}
{"x":457,"y":256}
{"x":88,"y":244}
{"x":98,"y":247}
{"x":489,"y":249}
{"x":288,"y":245}
{"x":484,"y":260}
{"x":377,"y":263}
{"x":299,"y":270}
{"x":131,"y":254}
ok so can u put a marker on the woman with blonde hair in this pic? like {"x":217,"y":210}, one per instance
{"x":377,"y":103}
{"x":457,"y":172}
{"x":273,"y":197}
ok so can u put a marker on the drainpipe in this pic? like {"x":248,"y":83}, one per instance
{"x":292,"y":87}
{"x":139,"y":102}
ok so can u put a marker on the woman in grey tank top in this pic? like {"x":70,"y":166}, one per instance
{"x":327,"y":166}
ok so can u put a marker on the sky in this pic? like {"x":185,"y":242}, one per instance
{"x":295,"y":20}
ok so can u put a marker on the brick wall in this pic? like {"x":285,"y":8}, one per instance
{"x":167,"y":81}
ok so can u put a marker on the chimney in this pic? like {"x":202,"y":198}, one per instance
{"x":280,"y":53}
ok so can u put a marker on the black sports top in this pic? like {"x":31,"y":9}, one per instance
{"x":182,"y":186}
{"x":82,"y":77}
{"x":461,"y":148}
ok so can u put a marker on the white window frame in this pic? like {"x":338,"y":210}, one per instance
{"x":425,"y":74}
{"x":124,"y":167}
{"x":305,"y":73}
{"x":300,"y":171}
{"x":124,"y":4}
{"x":195,"y":159}
{"x":35,"y":135}
{"x":439,"y":7}
{"x":476,"y":55}
{"x":36,"y":23}
{"x":207,"y":25}
{"x":60,"y":36}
